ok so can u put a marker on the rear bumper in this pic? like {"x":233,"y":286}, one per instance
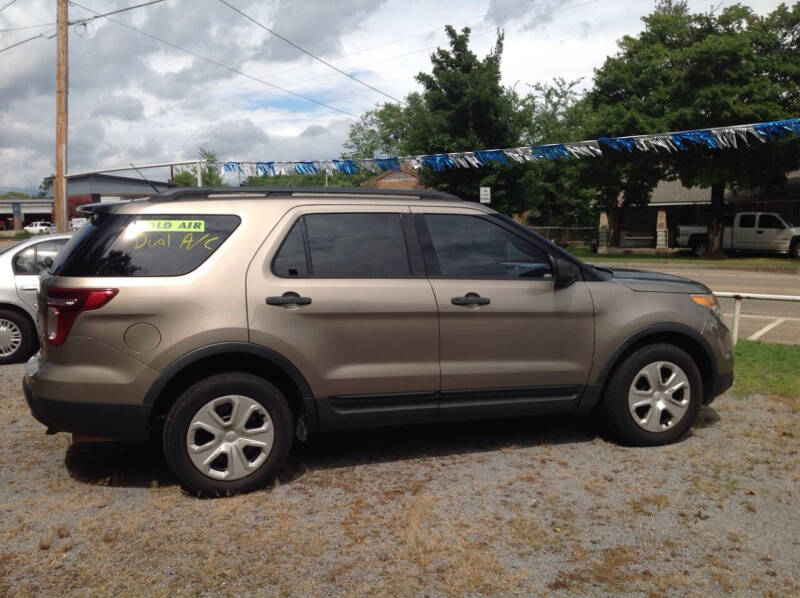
{"x":122,"y":422}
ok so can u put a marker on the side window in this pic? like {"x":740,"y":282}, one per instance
{"x":25,"y":261}
{"x":291,"y":258}
{"x":769,"y":221}
{"x":351,"y":245}
{"x":47,"y":249}
{"x":747,"y":221}
{"x":473,"y":247}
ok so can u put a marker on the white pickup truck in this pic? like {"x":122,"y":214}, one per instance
{"x":751,"y":231}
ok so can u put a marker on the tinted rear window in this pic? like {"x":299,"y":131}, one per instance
{"x":143,"y":245}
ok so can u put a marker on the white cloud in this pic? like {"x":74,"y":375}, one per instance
{"x":133,"y":99}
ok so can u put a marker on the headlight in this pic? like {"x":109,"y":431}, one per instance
{"x":709,"y":301}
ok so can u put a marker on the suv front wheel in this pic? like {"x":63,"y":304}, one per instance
{"x":227,"y":434}
{"x":653,"y":396}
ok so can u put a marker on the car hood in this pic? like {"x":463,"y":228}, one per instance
{"x":656,"y":282}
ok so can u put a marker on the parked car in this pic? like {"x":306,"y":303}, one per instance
{"x":229,"y":323}
{"x":751,"y":231}
{"x":40,"y":228}
{"x":20,"y":266}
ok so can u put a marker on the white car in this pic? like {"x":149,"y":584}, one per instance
{"x":20,"y":265}
{"x":40,"y":228}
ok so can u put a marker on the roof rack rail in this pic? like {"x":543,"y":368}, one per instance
{"x":180,"y":193}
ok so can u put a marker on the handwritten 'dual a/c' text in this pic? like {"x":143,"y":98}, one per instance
{"x":188,"y":241}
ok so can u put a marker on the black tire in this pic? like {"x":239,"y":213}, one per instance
{"x":28,"y":342}
{"x":794,"y":250}
{"x":176,"y":429}
{"x":700,"y":247}
{"x":616,"y":413}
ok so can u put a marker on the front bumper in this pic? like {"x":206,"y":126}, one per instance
{"x":721,"y":383}
{"x":104,"y":420}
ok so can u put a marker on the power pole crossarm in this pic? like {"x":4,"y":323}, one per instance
{"x":62,"y":88}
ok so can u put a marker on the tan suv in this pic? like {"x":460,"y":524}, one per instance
{"x":231,"y":321}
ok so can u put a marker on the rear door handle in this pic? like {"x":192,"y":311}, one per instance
{"x":759,"y":232}
{"x":470,"y":299}
{"x":289,"y":299}
{"x":29,"y":287}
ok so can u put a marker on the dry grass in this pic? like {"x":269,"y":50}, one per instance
{"x":528,"y":507}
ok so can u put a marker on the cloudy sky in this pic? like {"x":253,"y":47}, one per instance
{"x":135,"y":99}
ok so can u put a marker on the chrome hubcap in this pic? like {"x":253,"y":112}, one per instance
{"x":230,"y":437}
{"x":10,"y":337}
{"x":659,"y":396}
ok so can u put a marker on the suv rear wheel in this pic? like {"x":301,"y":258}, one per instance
{"x":228,"y":434}
{"x":653,"y":396}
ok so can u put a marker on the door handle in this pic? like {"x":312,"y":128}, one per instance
{"x":759,"y":232}
{"x":470,"y":299}
{"x":29,"y":287}
{"x":289,"y":299}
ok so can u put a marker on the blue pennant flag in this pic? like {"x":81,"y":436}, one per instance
{"x":439,"y":162}
{"x":265,"y":168}
{"x":700,"y":137}
{"x":306,"y":168}
{"x":345,"y":166}
{"x":488,"y":156}
{"x":619,"y":143}
{"x":550,"y":152}
{"x":232,"y":167}
{"x":388,"y":164}
{"x":777,"y":128}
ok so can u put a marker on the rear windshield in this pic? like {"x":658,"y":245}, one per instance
{"x":143,"y":245}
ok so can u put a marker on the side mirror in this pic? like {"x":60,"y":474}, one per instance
{"x":567,"y":272}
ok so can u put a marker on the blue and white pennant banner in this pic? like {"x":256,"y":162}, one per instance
{"x":715,"y":138}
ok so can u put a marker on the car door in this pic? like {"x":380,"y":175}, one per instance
{"x":341,"y":292}
{"x":744,"y":232}
{"x":27,"y":265}
{"x":771,"y":231}
{"x":510,"y":342}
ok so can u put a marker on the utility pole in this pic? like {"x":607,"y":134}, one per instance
{"x":62,"y":87}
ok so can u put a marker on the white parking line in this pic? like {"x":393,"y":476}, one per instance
{"x":765,"y":329}
{"x":764,"y":317}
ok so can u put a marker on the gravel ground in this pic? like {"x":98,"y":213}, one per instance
{"x":525,"y":507}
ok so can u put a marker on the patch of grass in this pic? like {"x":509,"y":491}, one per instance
{"x":767,"y":369}
{"x":684,"y":259}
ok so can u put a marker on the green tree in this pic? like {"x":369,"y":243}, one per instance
{"x":695,"y":71}
{"x":209,"y":172}
{"x":336,"y":179}
{"x":462,"y":107}
{"x":556,"y":195}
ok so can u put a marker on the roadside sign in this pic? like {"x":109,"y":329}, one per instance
{"x":486,"y":195}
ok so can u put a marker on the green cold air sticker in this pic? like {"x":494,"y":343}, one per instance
{"x":191,"y":235}
{"x":170,"y":226}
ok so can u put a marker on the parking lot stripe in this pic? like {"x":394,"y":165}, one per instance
{"x":766,"y":329}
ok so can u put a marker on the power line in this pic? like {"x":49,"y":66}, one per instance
{"x":78,"y":22}
{"x":113,"y":12}
{"x":27,"y":27}
{"x":221,"y":65}
{"x":7,"y":5}
{"x":25,"y":41}
{"x":304,"y":51}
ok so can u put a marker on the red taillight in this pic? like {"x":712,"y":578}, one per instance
{"x":64,"y":305}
